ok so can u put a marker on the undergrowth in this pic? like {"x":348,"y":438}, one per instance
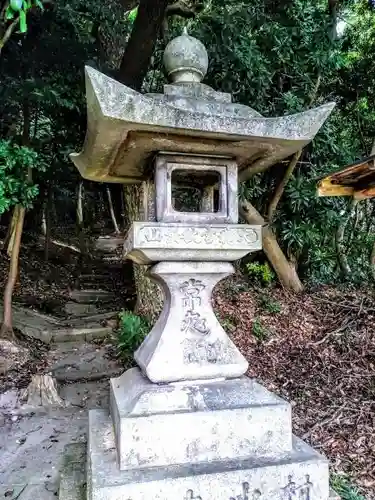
{"x":131,"y":333}
{"x":344,"y":488}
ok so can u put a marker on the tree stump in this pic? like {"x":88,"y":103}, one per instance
{"x":42,"y":391}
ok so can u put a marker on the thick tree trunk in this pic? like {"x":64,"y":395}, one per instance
{"x":142,"y":41}
{"x":7,"y":326}
{"x":139,"y":207}
{"x":284,"y":269}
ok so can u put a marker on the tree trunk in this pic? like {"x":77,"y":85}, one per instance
{"x":284,"y":269}
{"x":7,"y":326}
{"x":281,"y":186}
{"x":47,"y":222}
{"x":142,"y":41}
{"x":42,"y":391}
{"x":80,"y":226}
{"x":340,"y":240}
{"x":112,"y":211}
{"x":139,"y":207}
{"x":9,"y":240}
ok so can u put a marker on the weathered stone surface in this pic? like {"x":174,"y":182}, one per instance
{"x":188,"y":342}
{"x":198,"y":169}
{"x":148,"y":242}
{"x":119,"y":118}
{"x":82,"y":362}
{"x":91,"y":296}
{"x":223,"y":420}
{"x":301,"y":472}
{"x":73,"y":473}
{"x":76,"y":309}
{"x":32,"y":323}
{"x":79,"y":334}
{"x":185,"y":59}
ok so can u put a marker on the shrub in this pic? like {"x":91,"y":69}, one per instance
{"x":344,"y":489}
{"x":131,"y":333}
{"x":259,"y":330}
{"x":270,"y":305}
{"x":261,"y":274}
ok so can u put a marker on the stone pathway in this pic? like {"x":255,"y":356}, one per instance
{"x":89,"y":326}
{"x":32,"y":441}
{"x":71,"y":362}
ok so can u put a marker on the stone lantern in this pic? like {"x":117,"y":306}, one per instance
{"x":187,"y":423}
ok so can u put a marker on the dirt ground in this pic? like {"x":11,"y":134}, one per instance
{"x":317,"y":350}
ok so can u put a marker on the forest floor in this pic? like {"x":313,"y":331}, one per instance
{"x":317,"y":350}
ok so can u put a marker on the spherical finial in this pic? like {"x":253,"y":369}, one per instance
{"x":185,"y":59}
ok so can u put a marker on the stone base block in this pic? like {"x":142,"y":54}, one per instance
{"x":299,"y":474}
{"x":189,"y":423}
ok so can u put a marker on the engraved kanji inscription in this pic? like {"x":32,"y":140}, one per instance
{"x":190,"y":496}
{"x":246,"y":495}
{"x":191,"y":300}
{"x":292,"y":491}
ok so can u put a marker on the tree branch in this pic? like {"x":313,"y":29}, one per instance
{"x":281,"y":186}
{"x":8,"y":32}
{"x":292,"y":165}
{"x":180,"y":9}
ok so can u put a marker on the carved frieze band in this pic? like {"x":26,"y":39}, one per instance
{"x":292,"y":491}
{"x":213,"y":237}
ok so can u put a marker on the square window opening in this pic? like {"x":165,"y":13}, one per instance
{"x":196,"y":191}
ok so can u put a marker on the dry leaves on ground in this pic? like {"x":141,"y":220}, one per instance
{"x":318,"y":352}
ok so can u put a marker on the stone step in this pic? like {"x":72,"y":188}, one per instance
{"x":91,"y":320}
{"x":73,"y":473}
{"x":83,"y":334}
{"x":91,"y":296}
{"x":76,"y":309}
{"x":212,"y":420}
{"x":301,"y":473}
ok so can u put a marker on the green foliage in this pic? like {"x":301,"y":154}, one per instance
{"x":20,"y":8}
{"x":260,"y":274}
{"x":132,"y":330}
{"x":344,"y":489}
{"x":282,"y":57}
{"x":228,"y":323}
{"x":15,"y":163}
{"x":270,"y":305}
{"x":132,"y":16}
{"x":259,"y":330}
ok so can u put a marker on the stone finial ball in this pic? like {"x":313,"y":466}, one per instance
{"x":185,"y":59}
